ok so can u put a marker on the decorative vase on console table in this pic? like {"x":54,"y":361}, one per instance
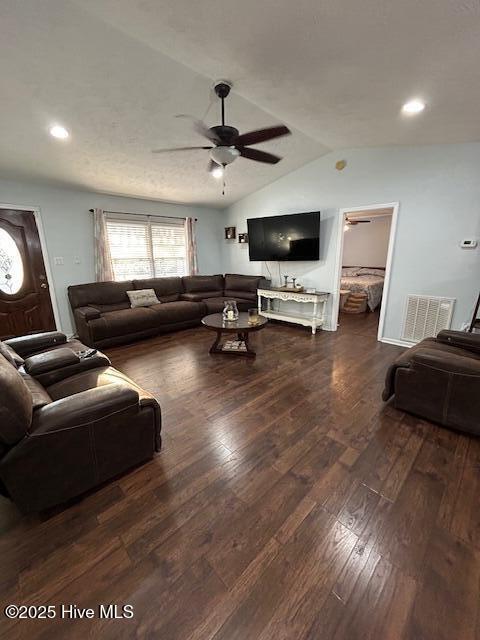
{"x":230,"y":311}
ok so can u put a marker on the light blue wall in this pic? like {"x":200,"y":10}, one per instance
{"x":68,"y":227}
{"x":438,"y":188}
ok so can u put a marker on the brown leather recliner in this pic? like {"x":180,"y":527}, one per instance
{"x":67,"y":423}
{"x":439,"y":379}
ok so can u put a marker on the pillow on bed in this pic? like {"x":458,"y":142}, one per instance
{"x":350,"y":271}
{"x":368,"y":271}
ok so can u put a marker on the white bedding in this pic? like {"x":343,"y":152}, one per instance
{"x":369,"y":284}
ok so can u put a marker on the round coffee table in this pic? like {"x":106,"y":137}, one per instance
{"x":241,"y":327}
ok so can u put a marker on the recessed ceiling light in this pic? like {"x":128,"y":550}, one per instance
{"x":57,"y":131}
{"x":413,"y":106}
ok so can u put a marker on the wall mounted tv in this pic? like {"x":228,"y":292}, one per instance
{"x":291,"y":237}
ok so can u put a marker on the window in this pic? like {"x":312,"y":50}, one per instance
{"x":146,"y":248}
{"x":11,"y":265}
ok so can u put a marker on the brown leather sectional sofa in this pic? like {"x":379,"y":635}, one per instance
{"x":103,"y":316}
{"x":439,"y":379}
{"x":67,"y":423}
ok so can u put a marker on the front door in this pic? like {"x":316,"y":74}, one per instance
{"x":25,"y":305}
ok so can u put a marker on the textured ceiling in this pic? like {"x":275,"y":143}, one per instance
{"x":116,"y":72}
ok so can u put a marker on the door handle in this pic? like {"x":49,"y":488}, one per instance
{"x":44,"y":285}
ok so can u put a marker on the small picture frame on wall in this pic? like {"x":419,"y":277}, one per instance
{"x":243,"y":238}
{"x":230,"y":233}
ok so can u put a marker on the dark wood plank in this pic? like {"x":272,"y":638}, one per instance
{"x":465,"y":513}
{"x":363,"y":552}
{"x":411,"y":521}
{"x":446,"y":605}
{"x":358,"y":509}
{"x":383,"y":608}
{"x":293,"y":573}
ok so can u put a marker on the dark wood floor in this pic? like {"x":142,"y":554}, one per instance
{"x":288,"y":503}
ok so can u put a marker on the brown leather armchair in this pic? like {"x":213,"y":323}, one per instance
{"x":67,"y":424}
{"x":439,"y":379}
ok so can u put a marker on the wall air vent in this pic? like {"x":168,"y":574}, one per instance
{"x":425,"y":316}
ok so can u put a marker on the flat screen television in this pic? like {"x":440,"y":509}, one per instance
{"x":291,"y":237}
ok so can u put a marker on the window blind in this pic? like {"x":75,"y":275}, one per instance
{"x":146,"y":249}
{"x":168,"y":250}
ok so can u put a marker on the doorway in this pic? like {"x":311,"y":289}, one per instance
{"x":25,"y":302}
{"x":365,"y":252}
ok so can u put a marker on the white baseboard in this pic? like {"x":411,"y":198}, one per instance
{"x":397,"y":343}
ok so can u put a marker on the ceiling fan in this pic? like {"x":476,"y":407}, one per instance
{"x":352,"y":223}
{"x":227,"y":142}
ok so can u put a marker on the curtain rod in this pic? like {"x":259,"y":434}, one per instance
{"x":156,"y":215}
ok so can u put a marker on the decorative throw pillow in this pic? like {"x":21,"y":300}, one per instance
{"x":142,"y":298}
{"x":350,"y":271}
{"x":369,"y":271}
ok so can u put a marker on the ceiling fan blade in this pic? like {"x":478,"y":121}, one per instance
{"x":262,"y":135}
{"x":259,"y":156}
{"x":354,"y":222}
{"x":178,"y":149}
{"x":201,"y":128}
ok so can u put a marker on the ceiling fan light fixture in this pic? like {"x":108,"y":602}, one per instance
{"x":217,"y":171}
{"x":224,"y":155}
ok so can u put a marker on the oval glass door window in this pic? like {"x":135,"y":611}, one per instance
{"x":11,"y":265}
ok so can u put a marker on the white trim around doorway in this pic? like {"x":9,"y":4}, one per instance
{"x":37,"y":214}
{"x":338,"y":261}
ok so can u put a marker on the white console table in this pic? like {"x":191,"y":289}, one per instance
{"x":314,"y":320}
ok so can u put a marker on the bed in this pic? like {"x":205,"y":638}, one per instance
{"x":367,"y":280}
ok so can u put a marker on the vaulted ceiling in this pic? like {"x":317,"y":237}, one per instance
{"x":116,"y":72}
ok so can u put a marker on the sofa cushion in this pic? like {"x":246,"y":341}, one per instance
{"x":242,"y":295}
{"x":122,"y":322}
{"x":105,"y":308}
{"x":181,"y":311}
{"x":195,"y":284}
{"x":15,"y":405}
{"x":166,"y":289}
{"x":201,"y":295}
{"x":50,"y":360}
{"x":99,"y":293}
{"x":40,"y":396}
{"x":236,"y":282}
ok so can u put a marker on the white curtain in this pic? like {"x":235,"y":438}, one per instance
{"x":103,"y":259}
{"x":191,"y":247}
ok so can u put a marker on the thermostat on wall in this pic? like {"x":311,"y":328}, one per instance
{"x":468,"y":244}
